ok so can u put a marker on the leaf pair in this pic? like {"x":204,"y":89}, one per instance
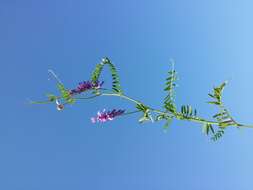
{"x":165,"y":117}
{"x":224,"y":118}
{"x":218,"y":134}
{"x":169,"y":100}
{"x":187,"y":111}
{"x":217,"y":94}
{"x":115,"y":77}
{"x":207,"y":128}
{"x":146,"y":113}
{"x":65,"y":94}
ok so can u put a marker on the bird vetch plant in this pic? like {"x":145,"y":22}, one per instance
{"x":93,"y":88}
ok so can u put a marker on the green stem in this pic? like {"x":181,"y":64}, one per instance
{"x":132,"y":112}
{"x":244,"y":126}
{"x":176,"y":115}
{"x":86,"y":98}
{"x":132,"y":100}
{"x":122,"y":96}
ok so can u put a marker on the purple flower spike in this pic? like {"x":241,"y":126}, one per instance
{"x":106,"y":115}
{"x":86,"y":85}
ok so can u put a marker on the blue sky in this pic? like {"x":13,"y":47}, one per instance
{"x":211,"y":41}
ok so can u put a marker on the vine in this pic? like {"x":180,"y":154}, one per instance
{"x":93,"y":89}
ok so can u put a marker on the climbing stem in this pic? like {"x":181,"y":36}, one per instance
{"x":175,"y":115}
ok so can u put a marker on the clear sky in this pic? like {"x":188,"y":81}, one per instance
{"x":41,"y":148}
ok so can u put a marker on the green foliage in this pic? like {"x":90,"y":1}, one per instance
{"x":187,"y":111}
{"x":218,"y":134}
{"x":115,"y":77}
{"x":207,"y":127}
{"x":51,"y":97}
{"x":169,"y":100}
{"x":167,"y":118}
{"x":97,"y":72}
{"x":146,"y":113}
{"x":224,"y":118}
{"x":142,"y":107}
{"x":65,"y":94}
{"x":161,"y":117}
{"x":217,"y":94}
{"x":167,"y":123}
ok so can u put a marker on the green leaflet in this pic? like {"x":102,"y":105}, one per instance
{"x":115,"y":77}
{"x":207,"y":128}
{"x":187,"y":111}
{"x":161,"y":117}
{"x":97,"y":71}
{"x":65,"y":94}
{"x":169,"y":100}
{"x":223,"y":117}
{"x":218,"y":134}
{"x":217,"y":94}
{"x":51,"y":97}
{"x":142,"y":107}
{"x":165,"y":117}
{"x":146,"y":113}
{"x":215,"y":103}
{"x":167,"y":123}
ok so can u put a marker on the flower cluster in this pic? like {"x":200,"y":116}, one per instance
{"x":106,"y":115}
{"x":86,"y":85}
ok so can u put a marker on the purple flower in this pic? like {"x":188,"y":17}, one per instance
{"x":86,"y":85}
{"x":106,"y":115}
